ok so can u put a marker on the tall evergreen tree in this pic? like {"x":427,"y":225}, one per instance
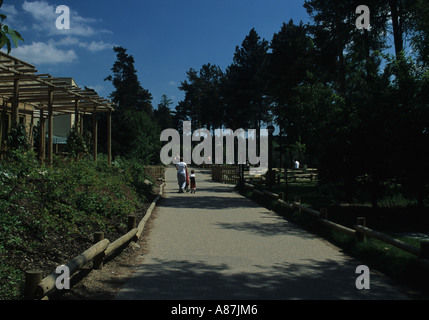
{"x":134,"y":133}
{"x":420,"y":34}
{"x":288,"y":65}
{"x":163,"y":114}
{"x":244,"y":86}
{"x":202,"y":103}
{"x":128,"y":94}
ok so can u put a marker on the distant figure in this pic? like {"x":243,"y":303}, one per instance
{"x":193,"y":183}
{"x":181,"y":168}
{"x":296,"y":166}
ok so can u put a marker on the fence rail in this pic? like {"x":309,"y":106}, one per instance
{"x":359,"y":230}
{"x":37,"y":288}
{"x":225,"y":173}
{"x":155,"y":171}
{"x":230,"y":174}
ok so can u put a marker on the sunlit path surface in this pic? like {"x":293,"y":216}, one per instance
{"x":216,"y":244}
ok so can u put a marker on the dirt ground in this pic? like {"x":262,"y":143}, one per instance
{"x":104,"y":284}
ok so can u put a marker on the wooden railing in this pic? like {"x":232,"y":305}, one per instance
{"x":230,"y":174}
{"x":225,"y":173}
{"x":36,"y":288}
{"x":155,"y":171}
{"x":360,"y":230}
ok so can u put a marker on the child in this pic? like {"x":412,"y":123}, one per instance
{"x":193,"y":184}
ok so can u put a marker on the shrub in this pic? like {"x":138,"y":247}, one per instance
{"x":40,"y":206}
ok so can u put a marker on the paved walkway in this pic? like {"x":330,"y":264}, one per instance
{"x":216,"y":244}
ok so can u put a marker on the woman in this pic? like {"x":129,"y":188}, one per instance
{"x":181,"y":168}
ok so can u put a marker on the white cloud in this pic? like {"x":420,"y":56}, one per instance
{"x":173,"y":83}
{"x":44,"y":53}
{"x":50,"y":45}
{"x":66,"y":41}
{"x":93,"y":46}
{"x":45,"y":17}
{"x":96,"y":46}
{"x":9,"y":10}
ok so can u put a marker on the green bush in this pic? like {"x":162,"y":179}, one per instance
{"x":18,"y":138}
{"x":70,"y":200}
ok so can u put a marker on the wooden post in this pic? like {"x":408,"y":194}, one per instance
{"x":94,"y":133}
{"x":109,"y":137}
{"x":424,"y":249}
{"x":42,"y":137}
{"x":2,"y":118}
{"x":81,"y":122}
{"x":76,"y":116}
{"x":50,"y":127}
{"x":270,"y":177}
{"x":324,"y":213}
{"x":361,"y":221}
{"x":131,"y":222}
{"x":98,"y":260}
{"x":49,"y":283}
{"x":15,"y":103}
{"x":298,"y":200}
{"x":32,"y":279}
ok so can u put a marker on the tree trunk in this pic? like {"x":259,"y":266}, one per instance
{"x":340,"y":53}
{"x":397,"y":26}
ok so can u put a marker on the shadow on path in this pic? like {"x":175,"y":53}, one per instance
{"x":170,"y":279}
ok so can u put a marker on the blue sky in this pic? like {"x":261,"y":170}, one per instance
{"x":166,"y":37}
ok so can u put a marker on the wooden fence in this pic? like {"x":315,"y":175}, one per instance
{"x":230,"y":174}
{"x":225,"y":173}
{"x":38,"y":288}
{"x":360,"y":230}
{"x":156,"y":172}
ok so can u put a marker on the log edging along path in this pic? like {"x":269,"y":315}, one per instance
{"x":36,"y":288}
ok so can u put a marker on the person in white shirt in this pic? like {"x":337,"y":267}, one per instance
{"x":181,"y":168}
{"x":296,"y":164}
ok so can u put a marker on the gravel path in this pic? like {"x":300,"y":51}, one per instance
{"x":216,"y":244}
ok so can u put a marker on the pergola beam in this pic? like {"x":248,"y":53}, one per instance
{"x":19,"y":84}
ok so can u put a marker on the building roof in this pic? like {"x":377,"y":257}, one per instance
{"x":34,"y":89}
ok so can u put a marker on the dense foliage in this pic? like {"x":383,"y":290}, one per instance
{"x":43,"y":209}
{"x":136,"y":129}
{"x":352,"y":102}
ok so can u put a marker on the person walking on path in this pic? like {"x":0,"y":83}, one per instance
{"x":181,"y":168}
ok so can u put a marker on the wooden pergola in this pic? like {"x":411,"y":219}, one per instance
{"x":47,"y":97}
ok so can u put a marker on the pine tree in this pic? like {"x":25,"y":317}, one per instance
{"x":135,"y":134}
{"x":244,"y":86}
{"x":128,"y":94}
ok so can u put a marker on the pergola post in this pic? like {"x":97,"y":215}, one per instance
{"x":109,"y":137}
{"x":42,"y":137}
{"x":15,"y":103}
{"x":81,"y":123}
{"x":76,"y":116}
{"x":3,"y":118}
{"x":50,"y":127}
{"x":94,"y":133}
